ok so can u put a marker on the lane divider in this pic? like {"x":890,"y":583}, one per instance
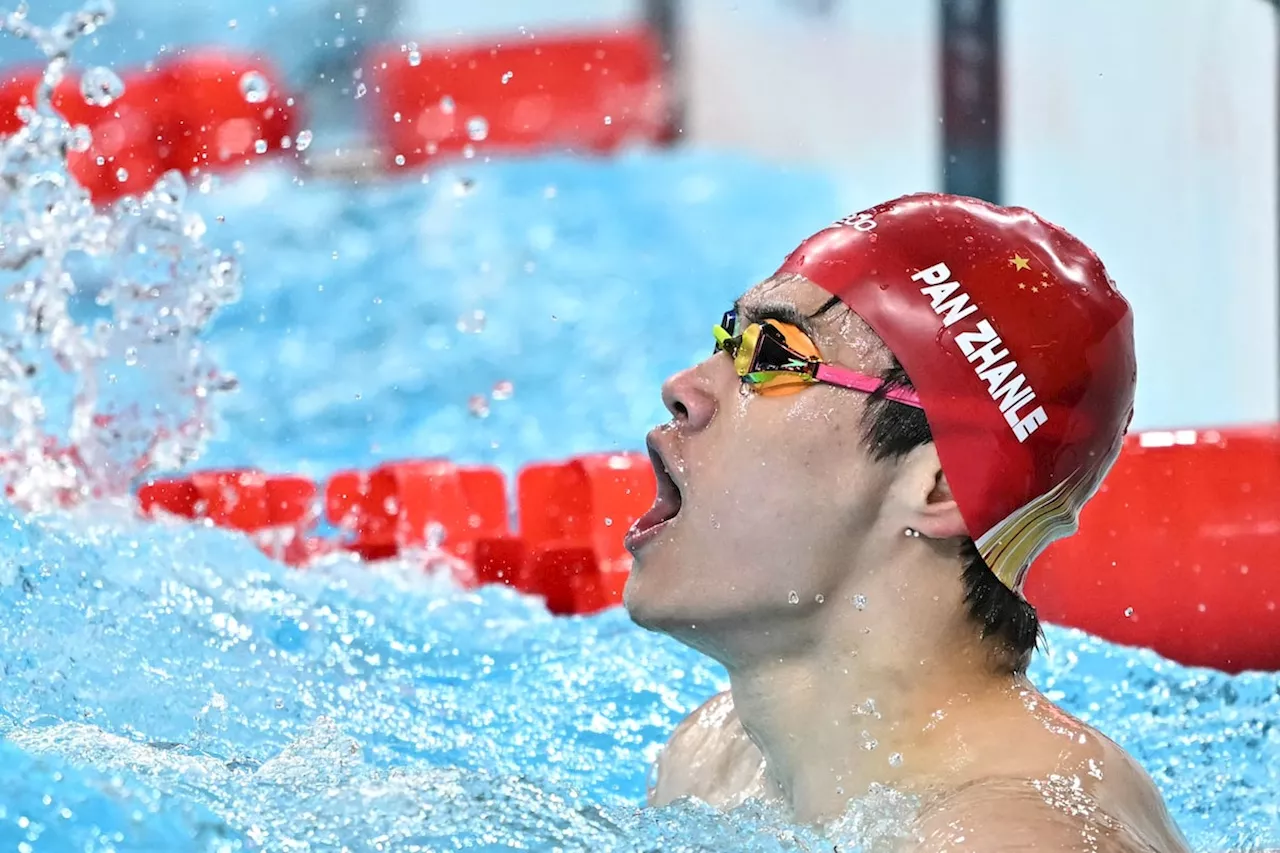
{"x":568,"y":549}
{"x":591,"y":92}
{"x":217,"y":110}
{"x":1179,"y":551}
{"x":204,"y":109}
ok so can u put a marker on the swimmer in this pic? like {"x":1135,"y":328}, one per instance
{"x":852,"y":488}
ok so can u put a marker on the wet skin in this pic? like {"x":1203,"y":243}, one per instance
{"x":852,"y":658}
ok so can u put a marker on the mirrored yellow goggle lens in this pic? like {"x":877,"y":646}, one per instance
{"x":746,"y":352}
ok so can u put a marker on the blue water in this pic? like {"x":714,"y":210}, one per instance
{"x":167,"y":687}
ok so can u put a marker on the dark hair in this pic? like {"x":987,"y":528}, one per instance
{"x":892,"y":431}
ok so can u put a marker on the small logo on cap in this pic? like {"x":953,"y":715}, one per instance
{"x":857,"y":221}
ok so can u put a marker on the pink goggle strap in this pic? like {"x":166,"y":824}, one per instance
{"x":845,"y":378}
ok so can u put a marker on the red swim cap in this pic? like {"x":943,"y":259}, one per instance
{"x":1018,"y":343}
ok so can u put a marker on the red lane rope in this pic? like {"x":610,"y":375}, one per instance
{"x":1177,"y":552}
{"x":212,"y":111}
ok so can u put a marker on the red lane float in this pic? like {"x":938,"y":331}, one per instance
{"x":208,"y":111}
{"x":1179,"y":551}
{"x":574,"y":516}
{"x":229,"y":106}
{"x":277,"y":511}
{"x":589,"y":93}
{"x":412,"y":504}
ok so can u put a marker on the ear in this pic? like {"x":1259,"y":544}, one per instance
{"x":929,"y":506}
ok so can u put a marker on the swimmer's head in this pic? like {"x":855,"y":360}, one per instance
{"x":792,"y":492}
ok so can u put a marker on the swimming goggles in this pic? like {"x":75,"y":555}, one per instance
{"x":775,"y":358}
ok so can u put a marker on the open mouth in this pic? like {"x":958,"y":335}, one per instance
{"x":665,"y":508}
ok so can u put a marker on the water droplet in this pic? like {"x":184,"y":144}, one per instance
{"x":100,"y":86}
{"x":131,"y":356}
{"x":122,"y":174}
{"x":361,"y":89}
{"x":819,"y":598}
{"x":895,"y":760}
{"x":435,"y":534}
{"x":399,"y":159}
{"x":503,"y":389}
{"x":468,"y":151}
{"x":507,"y":77}
{"x":447,"y":105}
{"x":608,"y":119}
{"x":260,"y":146}
{"x":80,"y":139}
{"x":477,"y":128}
{"x":231,"y":24}
{"x":478,"y":406}
{"x":1128,"y":611}
{"x":415,"y":58}
{"x":99,"y":12}
{"x":868,"y":742}
{"x":254,"y":87}
{"x":860,"y":602}
{"x":793,"y":597}
{"x":304,"y":140}
{"x":608,"y":522}
{"x":472,"y":323}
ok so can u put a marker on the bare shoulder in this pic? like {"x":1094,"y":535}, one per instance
{"x":1066,"y":787}
{"x":710,"y":757}
{"x":1000,"y":815}
{"x":1107,"y":780}
{"x":1129,"y":793}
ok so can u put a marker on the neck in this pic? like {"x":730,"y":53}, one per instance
{"x":879,"y":694}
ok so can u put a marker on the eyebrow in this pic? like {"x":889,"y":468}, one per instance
{"x":783,"y":312}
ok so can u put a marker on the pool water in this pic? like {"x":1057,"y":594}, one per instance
{"x":167,"y":687}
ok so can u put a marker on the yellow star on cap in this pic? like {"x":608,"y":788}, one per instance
{"x":1020,"y":262}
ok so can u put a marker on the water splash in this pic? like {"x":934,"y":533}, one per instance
{"x":102,"y":375}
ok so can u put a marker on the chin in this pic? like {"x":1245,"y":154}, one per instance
{"x":651,"y":604}
{"x":661,"y":598}
{"x":658,"y":601}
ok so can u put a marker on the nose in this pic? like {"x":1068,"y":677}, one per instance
{"x":689,"y":398}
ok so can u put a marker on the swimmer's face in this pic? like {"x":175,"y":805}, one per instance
{"x":779,"y":498}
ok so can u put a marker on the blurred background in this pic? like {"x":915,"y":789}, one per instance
{"x":1148,"y":129}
